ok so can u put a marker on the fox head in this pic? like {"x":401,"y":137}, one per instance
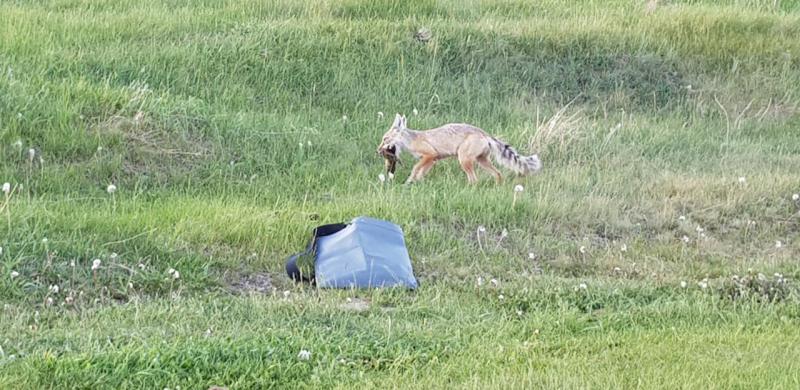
{"x":395,"y":136}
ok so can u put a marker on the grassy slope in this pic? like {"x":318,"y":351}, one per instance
{"x":212,"y":182}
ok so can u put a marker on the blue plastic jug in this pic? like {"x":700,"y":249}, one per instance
{"x":365,"y":253}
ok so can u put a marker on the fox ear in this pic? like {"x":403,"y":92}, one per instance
{"x":402,"y":122}
{"x":397,"y":120}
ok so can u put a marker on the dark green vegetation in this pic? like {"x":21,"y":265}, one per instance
{"x":671,"y":148}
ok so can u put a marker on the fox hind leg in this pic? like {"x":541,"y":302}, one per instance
{"x":484,"y":162}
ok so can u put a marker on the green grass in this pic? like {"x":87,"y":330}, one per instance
{"x":197,"y":110}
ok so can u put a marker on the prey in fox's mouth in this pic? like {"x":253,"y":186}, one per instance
{"x":390,"y":157}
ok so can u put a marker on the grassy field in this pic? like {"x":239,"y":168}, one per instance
{"x":658,"y":247}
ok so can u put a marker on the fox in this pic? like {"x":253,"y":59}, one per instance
{"x":470,"y":144}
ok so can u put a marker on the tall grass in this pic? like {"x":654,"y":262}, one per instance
{"x":231,"y":129}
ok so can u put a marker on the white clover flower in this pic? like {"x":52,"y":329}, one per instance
{"x":304,"y":355}
{"x":72,"y":263}
{"x":415,"y":112}
{"x":53,"y":288}
{"x":742,"y":180}
{"x":624,"y":248}
{"x":111,"y":189}
{"x":380,"y":114}
{"x":699,"y":229}
{"x":68,"y":300}
{"x":501,"y":297}
{"x":17,"y":144}
{"x":381,"y":178}
{"x":683,"y":284}
{"x":583,"y":286}
{"x":682,"y":218}
{"x":171,"y":271}
{"x":6,"y":188}
{"x":44,"y":240}
{"x":299,"y":143}
{"x":519,"y":313}
{"x":582,"y":249}
{"x":617,"y":269}
{"x":176,"y":275}
{"x":703,"y":284}
{"x":481,"y":229}
{"x":685,"y":239}
{"x":778,"y":244}
{"x":31,"y":154}
{"x":287,"y":293}
{"x":49,"y":301}
{"x":519,"y":188}
{"x":479,"y":281}
{"x":344,"y":118}
{"x":309,"y":144}
{"x":494,"y":282}
{"x":141,"y":266}
{"x":14,"y":274}
{"x":96,"y":264}
{"x":531,"y":255}
{"x":795,"y":197}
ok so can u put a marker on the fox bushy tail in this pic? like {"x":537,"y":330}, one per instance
{"x":508,"y":157}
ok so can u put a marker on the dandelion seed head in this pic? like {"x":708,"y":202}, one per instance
{"x":286,"y":293}
{"x":582,"y":249}
{"x":795,"y":197}
{"x":14,"y":274}
{"x":494,"y":282}
{"x":481,"y":229}
{"x":685,"y":239}
{"x":6,"y":188}
{"x":171,"y":271}
{"x":501,"y":297}
{"x":111,"y":189}
{"x":778,"y":244}
{"x":344,"y":118}
{"x":304,"y":355}
{"x":742,"y":180}
{"x":682,"y":218}
{"x":479,"y":281}
{"x":176,"y":275}
{"x":519,"y":188}
{"x":624,"y":248}
{"x":583,"y":286}
{"x":683,"y":284}
{"x":53,"y":288}
{"x":96,"y":264}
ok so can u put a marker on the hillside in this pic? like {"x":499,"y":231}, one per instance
{"x":657,"y":247}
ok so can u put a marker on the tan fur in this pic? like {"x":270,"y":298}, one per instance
{"x":470,"y":144}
